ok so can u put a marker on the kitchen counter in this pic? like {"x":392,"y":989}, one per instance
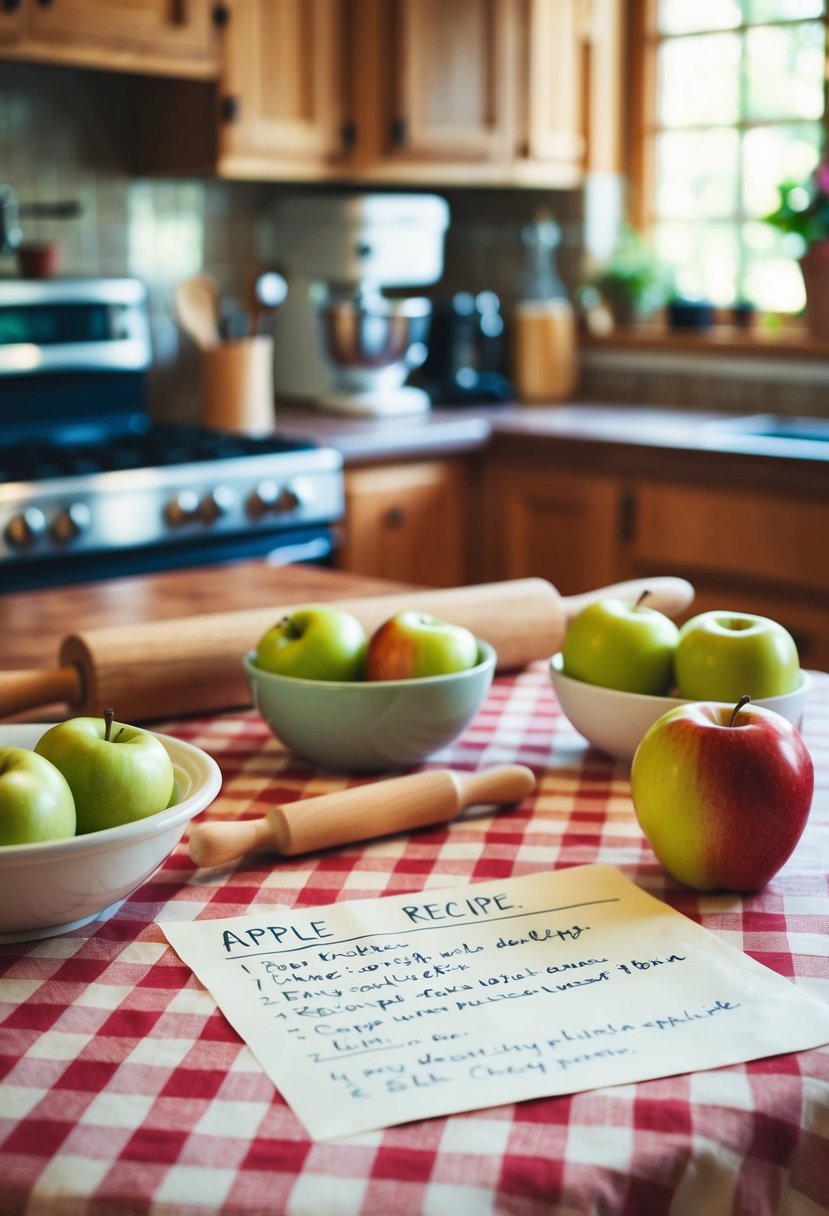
{"x":32,"y":623}
{"x":124,"y":1089}
{"x":616,"y":438}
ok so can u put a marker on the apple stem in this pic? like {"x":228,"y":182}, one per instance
{"x":641,"y":599}
{"x":109,"y":717}
{"x":744,"y":700}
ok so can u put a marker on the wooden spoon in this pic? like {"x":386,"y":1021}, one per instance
{"x":396,"y":804}
{"x":197,"y":307}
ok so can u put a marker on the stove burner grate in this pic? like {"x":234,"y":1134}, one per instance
{"x":158,"y":446}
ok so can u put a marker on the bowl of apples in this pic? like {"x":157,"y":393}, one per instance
{"x":346,"y":701}
{"x":89,"y":808}
{"x":623,"y":665}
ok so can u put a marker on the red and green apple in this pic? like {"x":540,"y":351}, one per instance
{"x":722,"y":793}
{"x":414,"y":644}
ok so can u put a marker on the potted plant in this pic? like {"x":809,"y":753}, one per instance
{"x":631,"y":282}
{"x":803,"y":211}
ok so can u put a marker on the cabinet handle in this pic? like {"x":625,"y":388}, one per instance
{"x":230,"y":108}
{"x":44,"y":3}
{"x":627,"y":518}
{"x":348,"y":133}
{"x":398,"y":132}
{"x":11,"y":6}
{"x":395,"y":517}
{"x":221,"y":15}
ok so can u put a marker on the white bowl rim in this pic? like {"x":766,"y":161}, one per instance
{"x":489,"y":660}
{"x":184,"y":755}
{"x":557,"y":660}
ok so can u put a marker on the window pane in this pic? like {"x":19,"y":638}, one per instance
{"x":703,"y":259}
{"x":696,"y":173}
{"x":784,"y":71}
{"x":699,"y":80}
{"x":691,"y":16}
{"x":772,"y":155}
{"x":773,"y":281}
{"x":782,"y":10}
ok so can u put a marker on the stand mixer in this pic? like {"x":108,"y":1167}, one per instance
{"x":338,"y":341}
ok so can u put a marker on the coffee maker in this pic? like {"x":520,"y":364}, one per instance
{"x":339,"y":342}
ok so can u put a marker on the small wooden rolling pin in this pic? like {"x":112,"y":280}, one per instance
{"x":193,"y":665}
{"x":397,"y":804}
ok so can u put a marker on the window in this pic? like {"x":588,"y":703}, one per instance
{"x":733,"y":102}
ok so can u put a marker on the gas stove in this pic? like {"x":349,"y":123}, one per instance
{"x":91,"y":487}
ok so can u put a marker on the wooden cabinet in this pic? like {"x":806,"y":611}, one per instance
{"x":420,"y":92}
{"x":407,"y":522}
{"x":153,"y":36}
{"x":435,"y":87}
{"x":538,"y":520}
{"x":283,"y":107}
{"x":743,"y":549}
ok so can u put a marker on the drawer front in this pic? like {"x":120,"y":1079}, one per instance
{"x":763,"y":538}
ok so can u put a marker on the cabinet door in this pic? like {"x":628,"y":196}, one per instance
{"x":743,"y":551}
{"x":283,"y":87}
{"x":406,"y":522}
{"x":135,"y":35}
{"x":571,"y":104}
{"x":448,"y":76}
{"x":540,"y":521}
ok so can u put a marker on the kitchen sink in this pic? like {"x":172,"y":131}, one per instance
{"x":781,"y":433}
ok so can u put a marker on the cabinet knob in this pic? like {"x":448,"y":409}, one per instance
{"x":395,"y":517}
{"x":44,"y":3}
{"x":230,"y":108}
{"x":220,"y":15}
{"x":11,"y":6}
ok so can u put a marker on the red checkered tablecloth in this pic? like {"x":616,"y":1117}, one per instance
{"x":124,"y":1090}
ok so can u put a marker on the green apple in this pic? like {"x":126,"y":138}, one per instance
{"x":722,"y":655}
{"x":36,"y":802}
{"x":414,"y":644}
{"x":621,"y":645}
{"x":117,"y":773}
{"x":314,"y":642}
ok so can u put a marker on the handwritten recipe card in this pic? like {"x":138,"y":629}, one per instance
{"x":375,"y":1012}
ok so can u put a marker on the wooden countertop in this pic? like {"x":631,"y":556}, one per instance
{"x":33,"y":623}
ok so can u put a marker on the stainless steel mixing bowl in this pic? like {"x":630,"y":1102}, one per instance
{"x":357,"y":334}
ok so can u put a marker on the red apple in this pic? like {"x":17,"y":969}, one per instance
{"x":415,"y":644}
{"x":722,"y":794}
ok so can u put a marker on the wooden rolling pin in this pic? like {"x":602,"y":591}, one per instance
{"x":397,"y":804}
{"x":193,"y":665}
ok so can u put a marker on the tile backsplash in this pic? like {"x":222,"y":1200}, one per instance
{"x":65,"y":134}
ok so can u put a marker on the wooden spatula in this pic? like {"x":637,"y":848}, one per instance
{"x":381,"y":808}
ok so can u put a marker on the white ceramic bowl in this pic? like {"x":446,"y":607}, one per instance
{"x":59,"y":885}
{"x":370,"y":725}
{"x":615,"y":721}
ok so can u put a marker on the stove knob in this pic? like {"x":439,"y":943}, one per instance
{"x":26,"y":528}
{"x":297,"y":493}
{"x":183,"y":508}
{"x":70,"y":523}
{"x":216,"y":503}
{"x":263,"y":499}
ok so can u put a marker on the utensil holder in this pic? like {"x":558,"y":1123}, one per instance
{"x":237,"y":386}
